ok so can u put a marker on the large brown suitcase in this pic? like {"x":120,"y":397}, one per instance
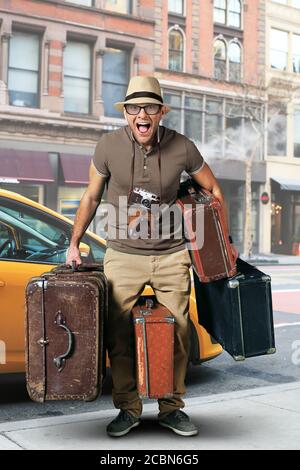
{"x":64,"y":326}
{"x":213,"y":260}
{"x":154,"y":339}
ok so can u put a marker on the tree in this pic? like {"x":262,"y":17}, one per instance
{"x":243,"y":140}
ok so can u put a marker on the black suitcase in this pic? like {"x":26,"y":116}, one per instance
{"x":237,"y":312}
{"x":65,"y":313}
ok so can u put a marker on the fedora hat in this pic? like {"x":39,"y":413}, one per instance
{"x":142,"y":90}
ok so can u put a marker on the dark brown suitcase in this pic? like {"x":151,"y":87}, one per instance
{"x":213,"y":260}
{"x":154,"y":340}
{"x":64,"y":326}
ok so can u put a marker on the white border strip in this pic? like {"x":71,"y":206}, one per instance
{"x":274,"y":291}
{"x":281,"y":325}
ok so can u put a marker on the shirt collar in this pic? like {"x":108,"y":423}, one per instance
{"x":158,"y":135}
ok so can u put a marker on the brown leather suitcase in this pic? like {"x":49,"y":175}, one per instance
{"x":214,"y":259}
{"x":64,"y":326}
{"x":154,"y":340}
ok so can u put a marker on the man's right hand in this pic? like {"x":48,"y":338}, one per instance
{"x":73,"y":254}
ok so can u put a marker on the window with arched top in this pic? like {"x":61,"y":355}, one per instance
{"x":176,"y":47}
{"x":220,"y":60}
{"x":234,"y":58}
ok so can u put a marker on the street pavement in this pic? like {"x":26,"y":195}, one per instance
{"x":264,"y":418}
{"x":267,"y":417}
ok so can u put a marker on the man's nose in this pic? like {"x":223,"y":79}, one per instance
{"x":142,"y":112}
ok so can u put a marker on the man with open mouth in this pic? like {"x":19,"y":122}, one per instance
{"x":144,"y":162}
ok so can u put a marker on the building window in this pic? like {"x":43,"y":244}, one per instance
{"x":23,"y":70}
{"x":228,"y":12}
{"x":185,"y":115}
{"x":175,"y":50}
{"x":220,"y":60}
{"x":297,"y":132}
{"x":279,"y":49}
{"x":114,"y":79}
{"x":220,"y":11}
{"x":77,"y":77}
{"x":193,"y":118}
{"x":173,"y":118}
{"x":234,"y":13}
{"x":296,"y":53}
{"x":234,"y":56}
{"x":176,"y":6}
{"x":119,"y":6}
{"x":277,"y":130}
{"x":213,"y":121}
{"x":87,"y":3}
{"x":234,"y":128}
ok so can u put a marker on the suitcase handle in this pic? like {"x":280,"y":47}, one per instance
{"x":66,"y":268}
{"x":148,"y":310}
{"x":60,"y":361}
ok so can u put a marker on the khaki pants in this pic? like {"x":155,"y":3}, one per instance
{"x":170,"y":279}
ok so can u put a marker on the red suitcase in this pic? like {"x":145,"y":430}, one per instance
{"x":154,"y":340}
{"x":214,"y":260}
{"x":64,"y":326}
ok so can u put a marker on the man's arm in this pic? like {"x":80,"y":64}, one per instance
{"x":86,"y":210}
{"x":206,"y":179}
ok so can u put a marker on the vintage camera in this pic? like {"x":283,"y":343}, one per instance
{"x":143,"y":197}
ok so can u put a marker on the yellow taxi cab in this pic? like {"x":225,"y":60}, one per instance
{"x":33,"y":240}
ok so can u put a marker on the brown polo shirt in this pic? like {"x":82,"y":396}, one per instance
{"x":113,"y":159}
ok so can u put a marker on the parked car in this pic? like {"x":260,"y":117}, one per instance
{"x":33,"y":239}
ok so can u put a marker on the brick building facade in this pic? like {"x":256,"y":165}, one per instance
{"x":63,"y":62}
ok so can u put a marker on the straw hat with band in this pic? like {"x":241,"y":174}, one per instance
{"x":142,"y":90}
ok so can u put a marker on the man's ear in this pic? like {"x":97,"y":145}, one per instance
{"x":124,"y":112}
{"x":163,"y":111}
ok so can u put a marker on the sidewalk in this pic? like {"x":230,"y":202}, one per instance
{"x":262,"y":418}
{"x":273,"y":259}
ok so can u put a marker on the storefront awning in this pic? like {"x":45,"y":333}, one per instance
{"x":25,"y":165}
{"x":75,"y":168}
{"x":288,"y":184}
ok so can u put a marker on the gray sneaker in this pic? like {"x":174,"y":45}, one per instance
{"x":180,"y":423}
{"x":122,"y":424}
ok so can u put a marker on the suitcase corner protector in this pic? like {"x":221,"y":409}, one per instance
{"x":239,"y":358}
{"x":271,"y":351}
{"x":233,"y":283}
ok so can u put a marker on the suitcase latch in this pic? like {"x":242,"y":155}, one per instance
{"x":43,"y":342}
{"x":147,"y":310}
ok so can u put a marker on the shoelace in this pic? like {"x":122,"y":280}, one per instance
{"x":181,"y":416}
{"x":125,"y":416}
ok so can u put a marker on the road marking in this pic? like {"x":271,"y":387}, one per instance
{"x":280,"y":325}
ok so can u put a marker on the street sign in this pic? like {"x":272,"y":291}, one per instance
{"x":265,"y":198}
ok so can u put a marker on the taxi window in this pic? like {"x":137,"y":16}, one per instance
{"x":38,"y":237}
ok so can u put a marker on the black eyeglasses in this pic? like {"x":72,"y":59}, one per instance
{"x":135,"y":109}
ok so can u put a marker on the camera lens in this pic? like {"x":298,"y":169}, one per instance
{"x":146,"y":203}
